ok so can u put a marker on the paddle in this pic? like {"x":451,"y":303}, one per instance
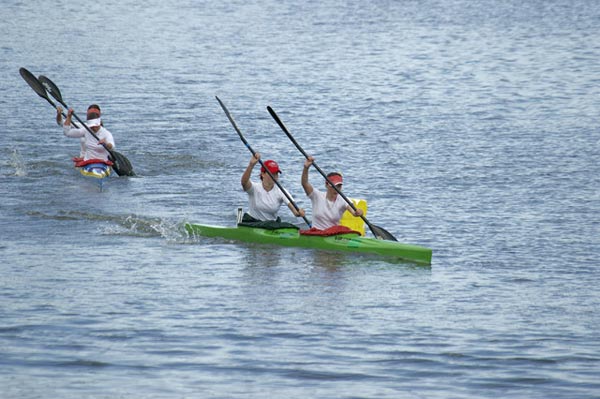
{"x":121,"y":164}
{"x":379,"y":232}
{"x":35,"y":84}
{"x":39,"y":88}
{"x":259,"y":160}
{"x":50,"y":87}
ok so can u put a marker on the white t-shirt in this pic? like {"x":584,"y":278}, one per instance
{"x":325,"y":213}
{"x":264,"y":204}
{"x":93,"y":150}
{"x":82,"y":147}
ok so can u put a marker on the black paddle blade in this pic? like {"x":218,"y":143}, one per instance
{"x":50,"y":87}
{"x":382,"y":234}
{"x":121,"y":164}
{"x":34,"y":83}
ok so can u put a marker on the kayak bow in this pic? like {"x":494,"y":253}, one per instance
{"x":96,"y":169}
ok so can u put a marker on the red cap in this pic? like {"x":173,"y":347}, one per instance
{"x":336,"y":179}
{"x":271,"y":165}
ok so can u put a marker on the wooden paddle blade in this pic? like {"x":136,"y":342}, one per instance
{"x":382,"y":234}
{"x":34,"y":83}
{"x":121,"y":164}
{"x":50,"y":87}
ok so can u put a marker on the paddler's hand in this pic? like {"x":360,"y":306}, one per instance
{"x":358,"y":213}
{"x":59,"y":115}
{"x":69,"y":115}
{"x":309,"y":161}
{"x":300,"y":213}
{"x":255,"y":158}
{"x":105,"y":144}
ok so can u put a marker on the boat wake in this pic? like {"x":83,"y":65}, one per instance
{"x":139,"y":226}
{"x":125,"y":225}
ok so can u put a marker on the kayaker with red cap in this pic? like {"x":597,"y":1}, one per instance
{"x":327,"y":207}
{"x":94,"y":149}
{"x":265,"y":198}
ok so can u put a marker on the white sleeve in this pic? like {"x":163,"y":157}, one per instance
{"x":250,"y":190}
{"x":73,"y":132}
{"x":109,"y":138}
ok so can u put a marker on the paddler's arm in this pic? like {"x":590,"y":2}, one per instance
{"x":107,"y":144}
{"x":71,"y":131}
{"x":246,"y":176}
{"x":359,"y":212}
{"x":308,"y":188}
{"x":108,"y":141}
{"x":298,"y":213}
{"x":69,"y":117}
{"x":59,"y":115}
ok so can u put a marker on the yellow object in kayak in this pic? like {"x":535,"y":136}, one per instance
{"x":355,"y":223}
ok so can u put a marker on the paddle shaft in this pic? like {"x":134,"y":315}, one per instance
{"x":373,"y":228}
{"x":50,"y":87}
{"x":259,"y":160}
{"x":75,"y":125}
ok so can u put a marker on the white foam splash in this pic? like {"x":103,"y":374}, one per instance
{"x":17,"y":162}
{"x":135,"y":225}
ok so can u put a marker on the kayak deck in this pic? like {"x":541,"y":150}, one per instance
{"x":97,"y":170}
{"x":290,"y":237}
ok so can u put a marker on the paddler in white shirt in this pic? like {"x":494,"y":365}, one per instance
{"x":94,"y":149}
{"x":327,"y":207}
{"x":94,"y":108}
{"x":265,"y":198}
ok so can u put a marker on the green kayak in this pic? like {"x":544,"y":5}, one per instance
{"x":292,"y":238}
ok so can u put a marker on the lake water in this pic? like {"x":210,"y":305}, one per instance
{"x":470,"y":127}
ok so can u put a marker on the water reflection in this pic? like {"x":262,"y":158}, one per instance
{"x":262,"y":256}
{"x":267,"y":256}
{"x":331,"y":261}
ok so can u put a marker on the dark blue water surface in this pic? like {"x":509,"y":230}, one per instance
{"x":471,"y":127}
